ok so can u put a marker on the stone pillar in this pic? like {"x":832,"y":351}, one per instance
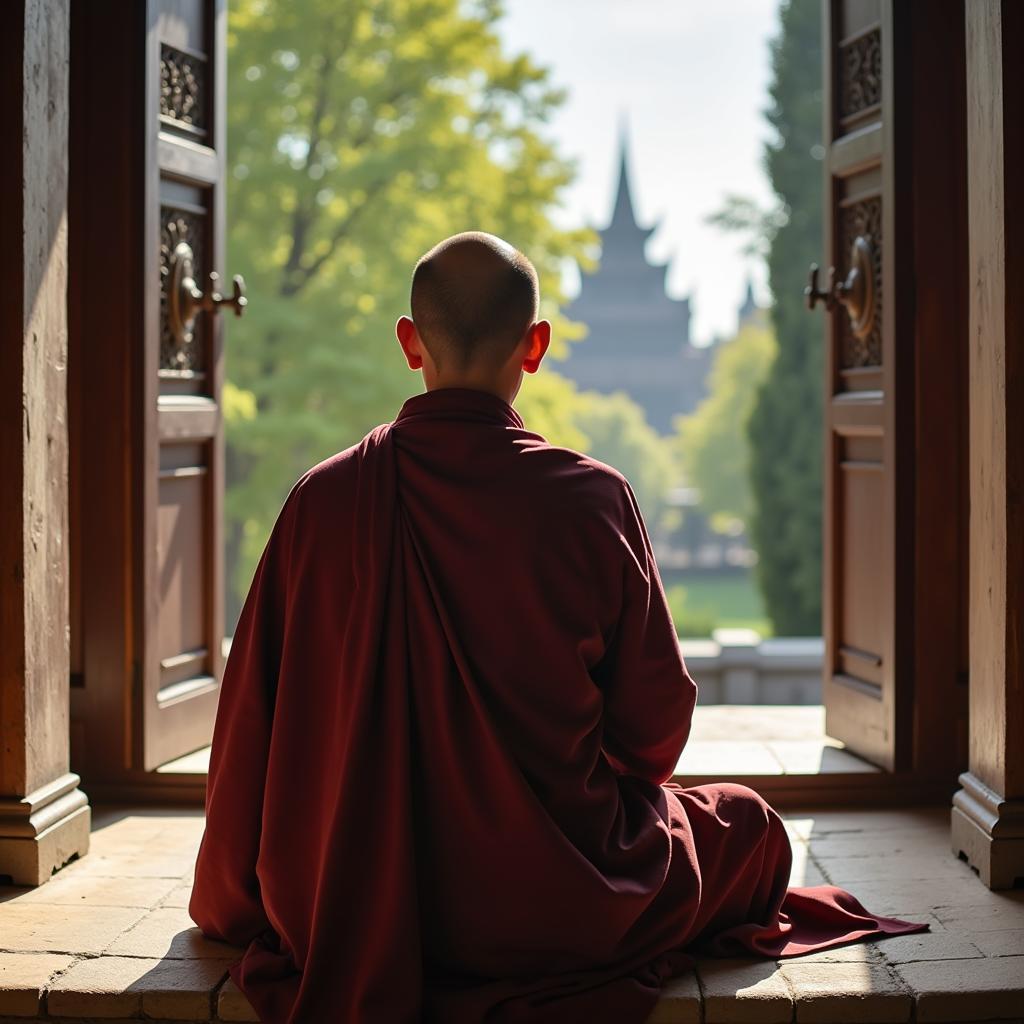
{"x":988,"y":811}
{"x":740,"y":662}
{"x":44,"y":816}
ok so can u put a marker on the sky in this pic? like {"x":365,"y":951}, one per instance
{"x":690,"y":77}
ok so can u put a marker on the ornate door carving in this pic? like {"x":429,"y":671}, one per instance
{"x":184,"y":564}
{"x":147,"y":327}
{"x":895,"y":447}
{"x":860,"y":443}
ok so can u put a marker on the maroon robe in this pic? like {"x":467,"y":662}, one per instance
{"x":436,"y":789}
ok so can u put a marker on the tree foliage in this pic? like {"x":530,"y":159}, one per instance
{"x":786,"y":424}
{"x":611,"y":428}
{"x":359,"y":134}
{"x":744,"y":215}
{"x":712,"y":444}
{"x":549,"y":404}
{"x":617,"y":432}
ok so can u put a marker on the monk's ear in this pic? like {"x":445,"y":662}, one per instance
{"x":540,"y":338}
{"x":409,"y":339}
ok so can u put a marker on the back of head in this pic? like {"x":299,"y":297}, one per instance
{"x":473,"y":297}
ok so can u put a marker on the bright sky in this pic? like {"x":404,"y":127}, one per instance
{"x":691,"y":77}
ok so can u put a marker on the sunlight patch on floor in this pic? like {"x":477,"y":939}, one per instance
{"x":764,"y":739}
{"x":726,"y":739}
{"x":196,"y":763}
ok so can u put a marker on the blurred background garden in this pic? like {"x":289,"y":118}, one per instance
{"x":660,"y":163}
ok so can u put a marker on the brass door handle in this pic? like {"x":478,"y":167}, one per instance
{"x":186,"y":299}
{"x":856,"y":291}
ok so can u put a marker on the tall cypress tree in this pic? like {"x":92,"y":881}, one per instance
{"x":786,"y":425}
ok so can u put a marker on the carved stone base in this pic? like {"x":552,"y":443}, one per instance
{"x":41,"y":832}
{"x":989,"y":832}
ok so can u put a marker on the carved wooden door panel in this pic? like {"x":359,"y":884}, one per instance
{"x":184,"y":478}
{"x":859,"y":542}
{"x":895,"y":402}
{"x":145,"y":373}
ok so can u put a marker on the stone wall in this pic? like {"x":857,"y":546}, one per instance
{"x":737,"y":666}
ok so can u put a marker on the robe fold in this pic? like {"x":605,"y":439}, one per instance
{"x":438,"y":781}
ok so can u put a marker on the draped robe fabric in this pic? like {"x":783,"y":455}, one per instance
{"x":437,"y":786}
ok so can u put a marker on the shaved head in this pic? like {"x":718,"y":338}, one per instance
{"x":473,"y":297}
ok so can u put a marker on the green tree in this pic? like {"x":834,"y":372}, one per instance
{"x":359,"y":134}
{"x":786,"y":424}
{"x":618,"y":433}
{"x":612,"y":428}
{"x":550,"y":404}
{"x":712,"y":444}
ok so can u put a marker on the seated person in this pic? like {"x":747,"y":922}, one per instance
{"x":438,"y":783}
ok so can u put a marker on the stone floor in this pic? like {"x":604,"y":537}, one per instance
{"x":726,"y":739}
{"x":109,"y":936}
{"x":764,"y":739}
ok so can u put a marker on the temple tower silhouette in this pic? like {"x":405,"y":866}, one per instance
{"x":639,"y":337}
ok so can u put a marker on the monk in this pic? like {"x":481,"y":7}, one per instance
{"x":438,"y":787}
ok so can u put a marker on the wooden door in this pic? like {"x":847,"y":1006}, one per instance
{"x":183,"y":626}
{"x":146,"y":344}
{"x":895,"y":448}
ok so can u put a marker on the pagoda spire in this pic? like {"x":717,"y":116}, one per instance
{"x":623,"y":214}
{"x":749,"y":308}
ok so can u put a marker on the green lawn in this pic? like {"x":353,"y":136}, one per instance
{"x":705,"y":602}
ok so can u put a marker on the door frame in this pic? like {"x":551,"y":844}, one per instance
{"x":107,"y":727}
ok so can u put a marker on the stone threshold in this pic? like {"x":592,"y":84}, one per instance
{"x":109,"y":937}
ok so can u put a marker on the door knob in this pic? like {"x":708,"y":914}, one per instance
{"x":856,"y":291}
{"x":186,"y":299}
